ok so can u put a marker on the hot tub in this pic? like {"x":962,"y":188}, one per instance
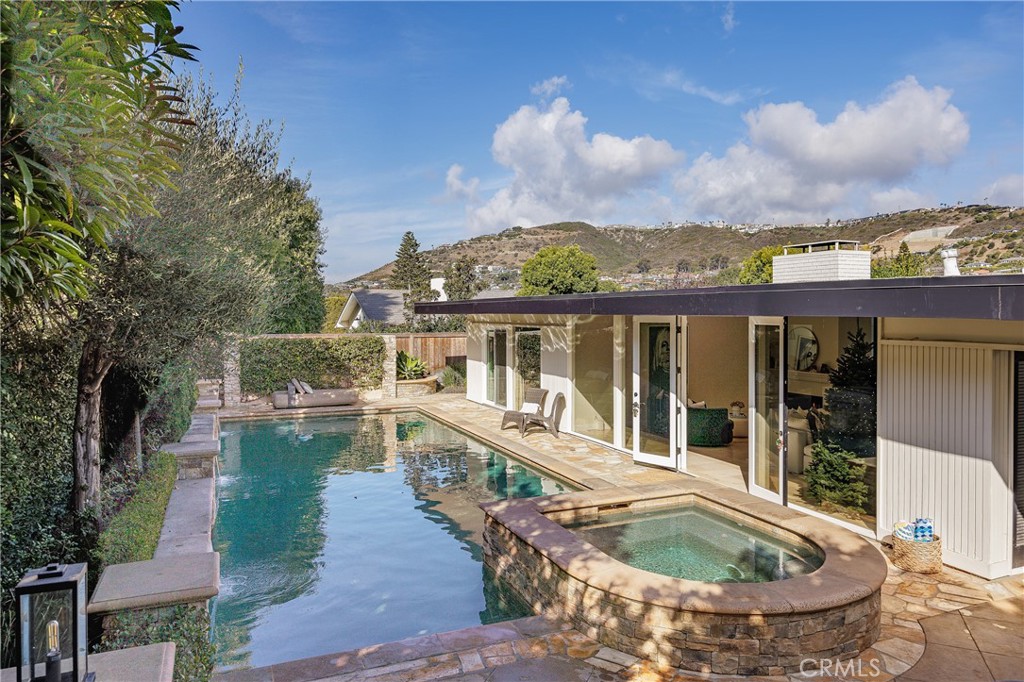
{"x":805,"y":591}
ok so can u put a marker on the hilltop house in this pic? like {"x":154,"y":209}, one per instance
{"x":740,"y":384}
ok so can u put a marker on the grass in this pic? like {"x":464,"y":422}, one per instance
{"x":133,"y":533}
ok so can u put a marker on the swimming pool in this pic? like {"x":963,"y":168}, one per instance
{"x":340,"y":532}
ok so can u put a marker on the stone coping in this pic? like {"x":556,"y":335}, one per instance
{"x":150,"y":663}
{"x":171,"y":579}
{"x":189,"y":518}
{"x":853,"y":569}
{"x":200,"y":448}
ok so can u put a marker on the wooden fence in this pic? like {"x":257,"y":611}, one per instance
{"x":436,"y":350}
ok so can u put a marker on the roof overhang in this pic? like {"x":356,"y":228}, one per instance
{"x":992,"y":297}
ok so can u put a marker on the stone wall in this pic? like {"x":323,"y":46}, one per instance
{"x":745,"y":629}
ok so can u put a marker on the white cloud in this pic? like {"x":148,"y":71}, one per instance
{"x":897,"y":199}
{"x":552,"y":86}
{"x":797,"y":169}
{"x":560,"y":174}
{"x":456,"y":188}
{"x":885,"y":141}
{"x":1006,"y":191}
{"x":729,"y":18}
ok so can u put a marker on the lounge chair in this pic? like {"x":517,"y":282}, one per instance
{"x":549,"y":422}
{"x":531,"y":397}
{"x":299,"y":394}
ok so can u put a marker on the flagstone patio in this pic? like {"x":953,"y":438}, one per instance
{"x":946,"y":626}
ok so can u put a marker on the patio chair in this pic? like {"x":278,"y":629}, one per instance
{"x":549,"y":422}
{"x":533,"y":403}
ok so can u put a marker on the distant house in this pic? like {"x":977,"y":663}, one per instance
{"x":386,"y":306}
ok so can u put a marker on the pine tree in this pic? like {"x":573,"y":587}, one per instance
{"x":851,"y":397}
{"x":410,"y":271}
{"x":460,"y":280}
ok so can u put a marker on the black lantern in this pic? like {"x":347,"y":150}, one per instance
{"x":52,"y":641}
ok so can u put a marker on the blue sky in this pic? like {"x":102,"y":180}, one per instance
{"x":460,"y":119}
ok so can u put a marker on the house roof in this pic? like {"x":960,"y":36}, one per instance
{"x":993,"y":297}
{"x":385,"y":305}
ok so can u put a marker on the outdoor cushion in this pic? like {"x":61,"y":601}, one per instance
{"x":321,"y":397}
{"x":306,"y":388}
{"x":298,"y":386}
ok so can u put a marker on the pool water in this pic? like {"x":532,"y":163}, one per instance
{"x":340,"y":532}
{"x":697,"y":543}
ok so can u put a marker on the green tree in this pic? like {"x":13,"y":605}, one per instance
{"x":559,"y":270}
{"x":175,"y":286}
{"x":87,"y":134}
{"x":461,"y":281}
{"x":333,"y":305}
{"x":903,"y":264}
{"x":757,"y":268}
{"x":410,"y":270}
{"x":851,"y":396}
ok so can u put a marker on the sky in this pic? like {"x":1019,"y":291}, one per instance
{"x":465,"y":118}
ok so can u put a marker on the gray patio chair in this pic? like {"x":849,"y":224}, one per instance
{"x":535,"y":396}
{"x":549,"y":422}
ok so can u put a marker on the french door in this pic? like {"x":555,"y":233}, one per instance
{"x":767,"y":409}
{"x":655,"y":400}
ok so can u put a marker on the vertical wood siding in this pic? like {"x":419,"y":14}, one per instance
{"x":940,"y":451}
{"x":437,"y":350}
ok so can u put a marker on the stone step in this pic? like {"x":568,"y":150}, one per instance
{"x":174,"y":579}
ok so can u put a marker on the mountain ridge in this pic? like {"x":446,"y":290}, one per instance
{"x":620,"y":249}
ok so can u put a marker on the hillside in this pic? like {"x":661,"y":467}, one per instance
{"x":695,"y":247}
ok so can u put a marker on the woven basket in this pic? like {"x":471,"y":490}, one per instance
{"x":917,"y":557}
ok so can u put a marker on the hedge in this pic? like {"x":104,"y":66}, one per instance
{"x":187,"y":626}
{"x":266,"y":364}
{"x":168,"y":413}
{"x":38,"y":379}
{"x":133,"y":533}
{"x":333,"y":305}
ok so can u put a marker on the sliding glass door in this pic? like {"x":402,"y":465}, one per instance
{"x":766,"y":438}
{"x":654,"y":407}
{"x":497,"y":367}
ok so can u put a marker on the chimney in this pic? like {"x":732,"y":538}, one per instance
{"x":838,"y":259}
{"x":949,"y":266}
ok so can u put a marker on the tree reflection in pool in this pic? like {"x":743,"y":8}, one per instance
{"x":340,"y":532}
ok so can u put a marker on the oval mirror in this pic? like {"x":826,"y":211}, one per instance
{"x":803,"y":348}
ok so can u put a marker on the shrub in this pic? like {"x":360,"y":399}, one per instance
{"x":37,"y":391}
{"x":133,"y":533}
{"x":836,"y":477}
{"x":187,"y":626}
{"x":267,"y":363}
{"x":333,"y":305}
{"x":169,"y":412}
{"x":409,"y":367}
{"x":452,"y":378}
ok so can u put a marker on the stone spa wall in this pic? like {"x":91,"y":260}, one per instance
{"x":733,"y":628}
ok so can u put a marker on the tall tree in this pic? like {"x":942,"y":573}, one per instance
{"x":87,"y":131}
{"x":903,"y":264}
{"x":172,"y":286}
{"x":410,"y":271}
{"x":461,"y":281}
{"x":559,"y":270}
{"x":757,"y":268}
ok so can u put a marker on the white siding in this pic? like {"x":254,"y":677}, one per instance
{"x":554,"y":366}
{"x":821,"y":266}
{"x":476,"y":361}
{"x":942,"y":411}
